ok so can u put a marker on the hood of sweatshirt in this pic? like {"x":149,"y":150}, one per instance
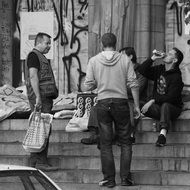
{"x":109,"y":57}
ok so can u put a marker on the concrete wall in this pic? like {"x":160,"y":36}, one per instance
{"x":6,"y":41}
{"x":150,"y":27}
{"x":175,"y":36}
{"x":139,"y":23}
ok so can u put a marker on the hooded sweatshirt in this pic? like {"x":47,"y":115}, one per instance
{"x":110,"y":72}
{"x":168,"y":85}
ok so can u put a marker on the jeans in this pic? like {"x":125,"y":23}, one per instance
{"x":41,"y":157}
{"x":108,"y":111}
{"x":93,"y":121}
{"x":165,"y":113}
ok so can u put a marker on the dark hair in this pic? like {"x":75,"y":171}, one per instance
{"x":109,"y":40}
{"x":130,"y":51}
{"x":178,"y":55}
{"x":40,"y":36}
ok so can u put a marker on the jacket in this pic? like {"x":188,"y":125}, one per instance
{"x":110,"y":72}
{"x":168,"y":85}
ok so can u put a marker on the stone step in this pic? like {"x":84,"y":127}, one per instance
{"x":22,"y":124}
{"x":56,"y":136}
{"x":77,"y":186}
{"x":154,"y":164}
{"x":75,"y":137}
{"x":77,"y":149}
{"x":139,"y":177}
{"x":146,"y":124}
{"x":92,"y":163}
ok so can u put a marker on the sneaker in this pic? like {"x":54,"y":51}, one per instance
{"x":107,"y":183}
{"x":91,"y":140}
{"x":126,"y":182}
{"x":161,"y":141}
{"x":46,"y":167}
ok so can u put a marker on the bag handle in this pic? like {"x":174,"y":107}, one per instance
{"x":37,"y":108}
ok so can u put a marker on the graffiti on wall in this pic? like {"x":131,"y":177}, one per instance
{"x":178,"y":9}
{"x":76,"y":28}
{"x":71,"y":18}
{"x":181,"y":41}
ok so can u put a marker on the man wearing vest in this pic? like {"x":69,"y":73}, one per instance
{"x":41,"y":89}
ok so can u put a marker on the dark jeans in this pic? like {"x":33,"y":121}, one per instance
{"x":108,"y":111}
{"x":93,"y":121}
{"x":164,"y":113}
{"x":41,"y":157}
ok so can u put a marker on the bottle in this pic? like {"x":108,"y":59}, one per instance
{"x":158,"y":53}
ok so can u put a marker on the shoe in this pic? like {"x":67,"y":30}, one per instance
{"x":98,"y":146}
{"x":107,"y":183}
{"x":126,"y":182}
{"x":46,"y":167}
{"x":118,"y":143}
{"x":94,"y":139}
{"x":161,"y":141}
{"x":132,"y":139}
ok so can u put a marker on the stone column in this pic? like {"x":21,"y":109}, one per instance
{"x":150,"y":27}
{"x":6,"y":41}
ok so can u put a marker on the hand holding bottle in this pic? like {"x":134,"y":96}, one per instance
{"x":157,"y":54}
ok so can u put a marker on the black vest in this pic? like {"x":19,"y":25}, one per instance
{"x":46,"y":79}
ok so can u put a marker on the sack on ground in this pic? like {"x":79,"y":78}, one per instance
{"x":37,"y":133}
{"x":78,"y":123}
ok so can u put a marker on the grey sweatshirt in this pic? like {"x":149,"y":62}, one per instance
{"x":110,"y":72}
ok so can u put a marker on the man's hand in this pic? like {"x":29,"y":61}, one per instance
{"x":38,"y":103}
{"x":154,"y":57}
{"x":147,"y":105}
{"x":137,"y":112}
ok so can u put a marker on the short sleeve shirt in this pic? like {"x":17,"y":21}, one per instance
{"x":33,"y":61}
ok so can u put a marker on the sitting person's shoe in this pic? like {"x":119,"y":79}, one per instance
{"x":132,"y":139}
{"x":126,"y":182}
{"x":46,"y":167}
{"x":161,"y":141}
{"x":107,"y":183}
{"x":91,"y":140}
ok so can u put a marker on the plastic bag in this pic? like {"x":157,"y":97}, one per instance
{"x":37,"y":133}
{"x":78,"y":123}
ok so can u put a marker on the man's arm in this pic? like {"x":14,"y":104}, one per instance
{"x":90,"y":82}
{"x":35,"y":84}
{"x":135,"y":94}
{"x":147,"y":69}
{"x":132,"y":82}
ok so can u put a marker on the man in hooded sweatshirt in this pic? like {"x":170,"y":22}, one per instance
{"x":111,"y":72}
{"x":165,"y":104}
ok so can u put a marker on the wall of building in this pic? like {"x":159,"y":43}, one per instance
{"x":6,"y":41}
{"x":150,"y":27}
{"x":139,"y":23}
{"x":176,"y":37}
{"x":70,"y":40}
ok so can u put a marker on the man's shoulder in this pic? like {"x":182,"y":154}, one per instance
{"x":94,"y":58}
{"x":32,"y":54}
{"x":177,"y":77}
